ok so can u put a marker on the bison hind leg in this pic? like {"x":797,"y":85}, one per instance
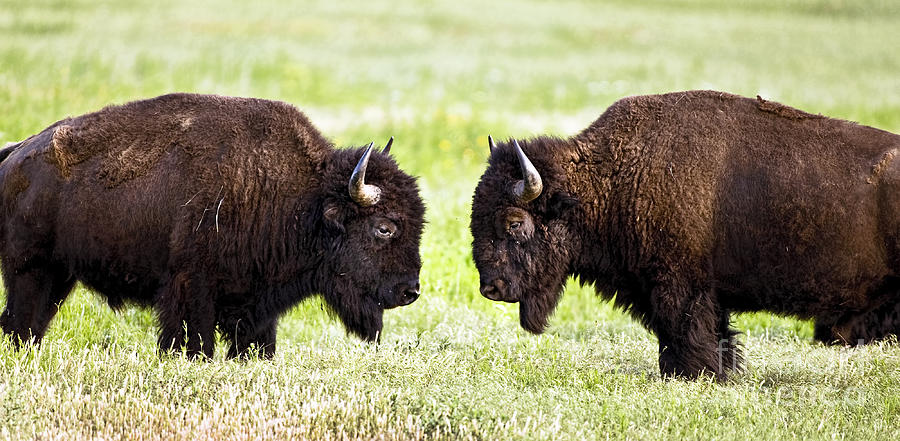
{"x":33,"y":297}
{"x":863,"y":328}
{"x":186,"y":316}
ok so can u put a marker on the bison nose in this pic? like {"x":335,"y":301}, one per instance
{"x":489,"y":291}
{"x":410,"y":292}
{"x":494,"y":289}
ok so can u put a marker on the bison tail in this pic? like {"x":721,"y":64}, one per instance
{"x":11,"y":147}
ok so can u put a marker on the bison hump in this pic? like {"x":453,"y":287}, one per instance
{"x":131,"y":162}
{"x":131,"y":157}
{"x":782,"y":110}
{"x":63,"y":151}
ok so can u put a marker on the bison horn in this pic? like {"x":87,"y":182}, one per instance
{"x":529,"y":188}
{"x":361,"y":193}
{"x":387,"y":148}
{"x":491,"y":145}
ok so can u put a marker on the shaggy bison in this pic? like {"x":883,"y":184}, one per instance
{"x":219,"y":212}
{"x":686,"y":207}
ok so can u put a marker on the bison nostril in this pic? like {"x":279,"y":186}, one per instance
{"x":410,"y":291}
{"x":410,"y":295}
{"x":490,"y":291}
{"x":496,"y":289}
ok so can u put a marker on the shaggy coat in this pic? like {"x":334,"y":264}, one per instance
{"x":686,"y":207}
{"x":219,"y":212}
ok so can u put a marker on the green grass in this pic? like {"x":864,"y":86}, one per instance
{"x":440,"y":76}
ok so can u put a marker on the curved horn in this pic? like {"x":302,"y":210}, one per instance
{"x":529,"y":188}
{"x":361,"y":193}
{"x":387,"y":148}
{"x":491,"y":145}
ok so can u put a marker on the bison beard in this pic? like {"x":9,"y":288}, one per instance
{"x":687,"y":207}
{"x":534,"y":311}
{"x":219,"y":212}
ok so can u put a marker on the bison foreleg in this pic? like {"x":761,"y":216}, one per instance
{"x":248,"y":341}
{"x":688,"y":327}
{"x":728,"y":349}
{"x":33,"y":297}
{"x":187,"y":316}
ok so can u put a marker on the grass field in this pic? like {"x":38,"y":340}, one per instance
{"x":440,"y":76}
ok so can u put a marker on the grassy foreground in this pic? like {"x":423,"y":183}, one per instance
{"x":440,"y":76}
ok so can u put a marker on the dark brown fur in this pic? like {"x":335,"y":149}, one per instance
{"x":686,"y":207}
{"x":220,"y":212}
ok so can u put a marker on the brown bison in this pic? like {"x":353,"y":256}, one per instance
{"x":219,"y":212}
{"x":686,"y":207}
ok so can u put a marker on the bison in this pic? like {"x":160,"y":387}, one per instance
{"x":219,"y":212}
{"x":686,"y":207}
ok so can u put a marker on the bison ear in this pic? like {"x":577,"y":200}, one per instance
{"x":560,"y":205}
{"x":334,"y":217}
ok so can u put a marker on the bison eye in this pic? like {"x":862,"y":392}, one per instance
{"x":384,"y":231}
{"x":514,"y":225}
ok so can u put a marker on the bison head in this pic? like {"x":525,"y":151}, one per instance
{"x":521,"y":227}
{"x":371,"y":222}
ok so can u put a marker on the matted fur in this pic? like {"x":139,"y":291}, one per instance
{"x":686,"y":207}
{"x":220,"y":212}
